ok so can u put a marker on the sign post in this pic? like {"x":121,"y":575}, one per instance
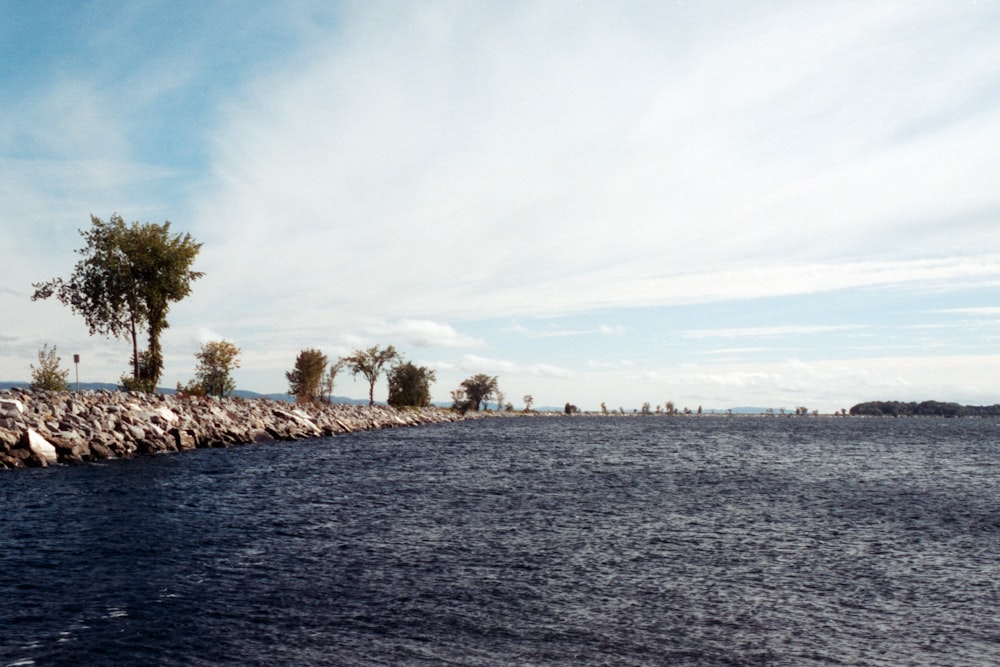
{"x":76,"y":360}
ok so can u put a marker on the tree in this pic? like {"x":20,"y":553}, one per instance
{"x":127,"y":279}
{"x":529,"y":400}
{"x":47,"y":376}
{"x":216,"y":361}
{"x":499,"y":398}
{"x":370,"y":363}
{"x":459,"y":401}
{"x":304,"y":380}
{"x":479,"y":389}
{"x":330,"y":378}
{"x":410,"y":385}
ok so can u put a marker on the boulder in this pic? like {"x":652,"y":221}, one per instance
{"x":8,"y":439}
{"x":261,"y":436}
{"x":12,"y":405}
{"x":183,"y":439}
{"x":100,"y":451}
{"x":41,"y":448}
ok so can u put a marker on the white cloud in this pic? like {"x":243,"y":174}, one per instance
{"x":425,"y":333}
{"x":531,"y":160}
{"x":408,"y":167}
{"x":825,"y":385}
{"x":608,"y":365}
{"x":550,"y":371}
{"x":556,"y":332}
{"x":477,"y":364}
{"x":771,"y":331}
{"x":982,"y":311}
{"x":207,"y":336}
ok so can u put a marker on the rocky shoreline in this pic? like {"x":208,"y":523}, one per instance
{"x":44,"y":428}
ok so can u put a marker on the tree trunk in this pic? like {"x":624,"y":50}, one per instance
{"x":135,"y":351}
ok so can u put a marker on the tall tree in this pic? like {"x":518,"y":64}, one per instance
{"x":459,"y":401}
{"x":330,"y":378}
{"x":47,"y":376}
{"x":126,"y":281}
{"x":410,"y":385}
{"x":370,"y":364}
{"x":216,"y":362}
{"x":304,"y":380}
{"x":479,"y":389}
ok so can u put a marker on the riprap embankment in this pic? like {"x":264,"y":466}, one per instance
{"x":42,"y":428}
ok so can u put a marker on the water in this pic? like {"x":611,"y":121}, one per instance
{"x":564,"y":541}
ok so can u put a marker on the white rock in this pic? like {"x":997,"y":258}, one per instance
{"x":41,"y":447}
{"x":8,"y":403}
{"x":167,"y":414}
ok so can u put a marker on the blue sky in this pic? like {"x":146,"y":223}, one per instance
{"x":718,"y":204}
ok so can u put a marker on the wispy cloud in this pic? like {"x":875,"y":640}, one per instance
{"x":419,"y":174}
{"x":424,"y":333}
{"x":475,"y":363}
{"x":621,"y":364}
{"x":688,"y":153}
{"x":555,"y":332}
{"x":980,"y":311}
{"x":770,"y":332}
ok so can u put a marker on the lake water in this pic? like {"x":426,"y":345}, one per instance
{"x":544,"y":541}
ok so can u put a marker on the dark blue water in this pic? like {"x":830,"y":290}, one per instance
{"x":563,"y":541}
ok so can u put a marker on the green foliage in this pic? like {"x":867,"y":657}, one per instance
{"x":145,"y":373}
{"x":478,"y":389}
{"x":326,"y":388}
{"x":192,"y":388}
{"x":305,"y":379}
{"x":370,"y":363}
{"x":924,"y":409}
{"x":459,"y":401}
{"x":47,"y":376}
{"x":216,"y":362}
{"x":410,"y":385}
{"x":127,"y":279}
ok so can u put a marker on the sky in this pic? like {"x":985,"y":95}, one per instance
{"x":718,"y":204}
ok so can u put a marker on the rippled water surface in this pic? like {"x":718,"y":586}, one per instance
{"x":547,"y":541}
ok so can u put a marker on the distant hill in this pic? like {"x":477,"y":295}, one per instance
{"x":14,"y":385}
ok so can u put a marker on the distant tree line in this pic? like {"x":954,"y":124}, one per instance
{"x":922,"y":409}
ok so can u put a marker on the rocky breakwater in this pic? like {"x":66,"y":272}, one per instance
{"x":42,"y":428}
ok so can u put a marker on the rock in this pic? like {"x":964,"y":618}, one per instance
{"x":98,"y":425}
{"x":8,"y":439}
{"x":100,"y":451}
{"x":184,"y":440}
{"x":11,"y":404}
{"x":41,"y":448}
{"x":261,"y":437}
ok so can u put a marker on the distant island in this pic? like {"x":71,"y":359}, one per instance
{"x":923,"y":409}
